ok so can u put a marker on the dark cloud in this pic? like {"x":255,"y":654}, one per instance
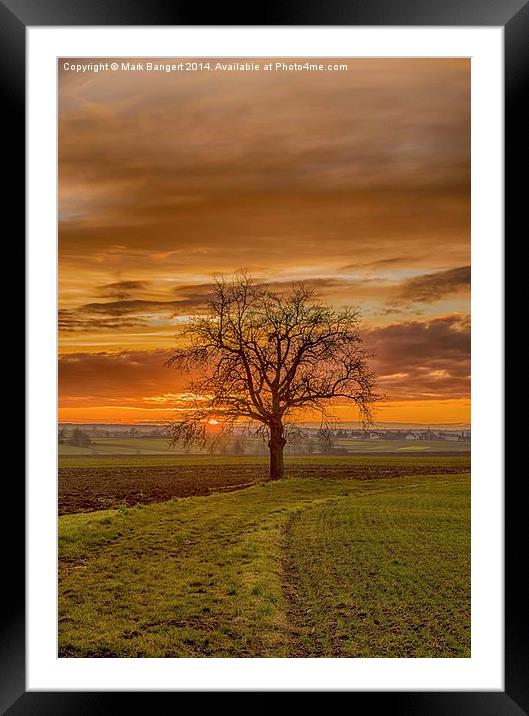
{"x":206,"y":290}
{"x":76,"y":320}
{"x":384,"y":263}
{"x":122,"y":289}
{"x":433,"y":286}
{"x":118,"y":377}
{"x":112,"y":315}
{"x":132,"y":307}
{"x":420,"y":360}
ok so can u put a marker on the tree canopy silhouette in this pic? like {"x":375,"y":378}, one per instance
{"x":265,"y":357}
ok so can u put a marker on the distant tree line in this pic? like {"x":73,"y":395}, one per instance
{"x":78,"y":438}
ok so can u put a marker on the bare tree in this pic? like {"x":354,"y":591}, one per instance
{"x":264,"y":358}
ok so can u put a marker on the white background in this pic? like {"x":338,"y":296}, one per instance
{"x":484,"y":671}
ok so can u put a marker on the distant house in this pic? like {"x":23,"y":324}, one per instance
{"x":428,"y":435}
{"x":395,"y":434}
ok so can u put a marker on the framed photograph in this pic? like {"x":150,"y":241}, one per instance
{"x":265,"y":432}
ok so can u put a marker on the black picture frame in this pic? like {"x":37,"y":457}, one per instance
{"x":513,"y":16}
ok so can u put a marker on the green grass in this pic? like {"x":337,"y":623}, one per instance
{"x":302,"y":567}
{"x":386,"y":574}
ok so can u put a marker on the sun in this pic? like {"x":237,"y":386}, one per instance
{"x":212,"y":421}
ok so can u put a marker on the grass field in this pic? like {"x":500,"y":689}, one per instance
{"x":363,"y":557}
{"x":131,"y":451}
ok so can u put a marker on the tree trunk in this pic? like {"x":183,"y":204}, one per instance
{"x":276,"y":445}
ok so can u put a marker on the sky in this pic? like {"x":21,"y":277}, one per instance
{"x":356,"y":182}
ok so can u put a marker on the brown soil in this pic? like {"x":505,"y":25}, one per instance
{"x":97,"y":488}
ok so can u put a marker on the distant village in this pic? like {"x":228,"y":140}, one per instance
{"x":411,"y":434}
